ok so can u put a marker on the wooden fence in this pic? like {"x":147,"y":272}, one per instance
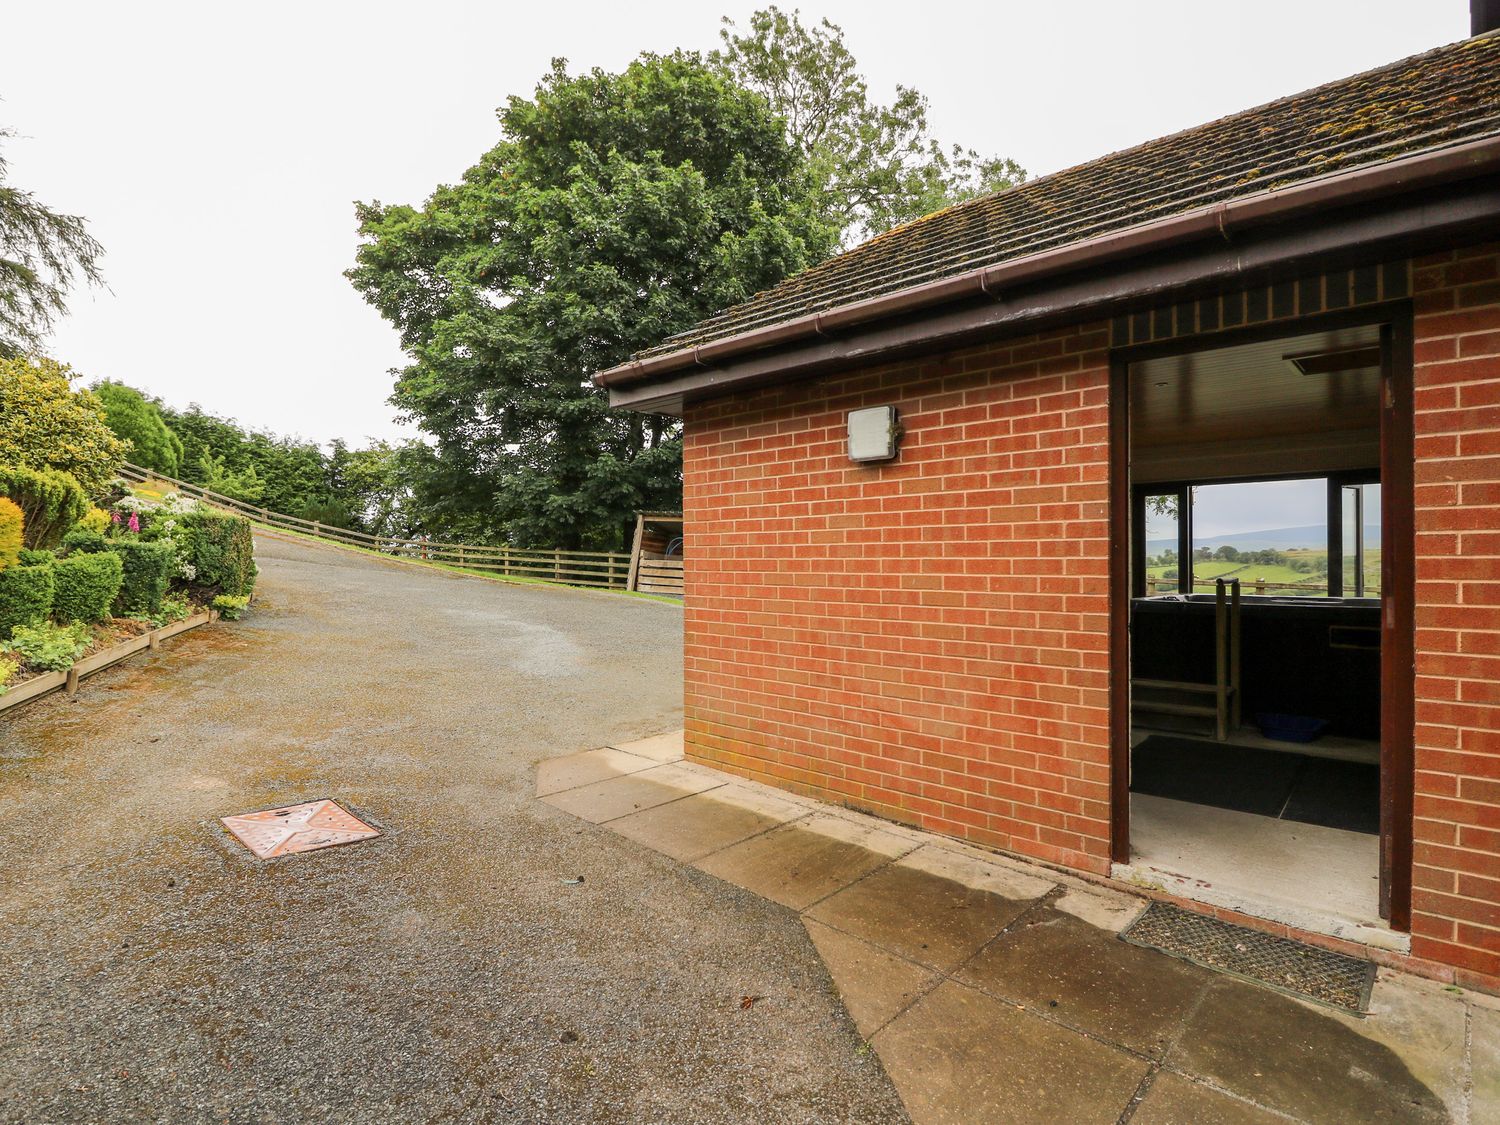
{"x":607,"y":570}
{"x":660,"y":576}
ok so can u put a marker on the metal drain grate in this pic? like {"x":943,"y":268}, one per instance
{"x":298,"y":828}
{"x":1280,"y":963}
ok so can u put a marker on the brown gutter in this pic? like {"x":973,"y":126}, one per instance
{"x":1220,"y":219}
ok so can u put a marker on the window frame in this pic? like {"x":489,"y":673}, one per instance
{"x":1334,"y":482}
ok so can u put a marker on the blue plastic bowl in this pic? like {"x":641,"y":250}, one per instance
{"x":1290,"y":728}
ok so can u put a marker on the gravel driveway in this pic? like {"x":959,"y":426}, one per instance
{"x":153,"y":970}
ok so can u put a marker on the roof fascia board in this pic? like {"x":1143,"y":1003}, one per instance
{"x":1223,"y":221}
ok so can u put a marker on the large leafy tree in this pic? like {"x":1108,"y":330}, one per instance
{"x":616,"y":210}
{"x":42,"y":254}
{"x":876,"y":165}
{"x":138,"y":420}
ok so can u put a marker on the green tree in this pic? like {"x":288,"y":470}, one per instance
{"x":616,"y":210}
{"x":876,"y":166}
{"x":138,"y":419}
{"x":286,"y":474}
{"x":375,"y":485}
{"x":244,"y":485}
{"x":42,"y":253}
{"x":49,"y":425}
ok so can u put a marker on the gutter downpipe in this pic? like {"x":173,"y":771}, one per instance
{"x":1222,"y":219}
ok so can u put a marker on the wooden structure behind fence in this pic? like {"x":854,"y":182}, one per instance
{"x":656,"y":562}
{"x":608,"y":570}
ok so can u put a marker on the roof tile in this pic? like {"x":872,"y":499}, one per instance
{"x":1440,"y":98}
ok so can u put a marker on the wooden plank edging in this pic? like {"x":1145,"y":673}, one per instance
{"x":49,"y":682}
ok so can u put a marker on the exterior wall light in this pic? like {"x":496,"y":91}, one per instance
{"x":874,"y":433}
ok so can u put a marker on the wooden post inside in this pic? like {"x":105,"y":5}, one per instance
{"x":632,"y":580}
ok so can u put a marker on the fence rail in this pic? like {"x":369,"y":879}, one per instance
{"x":608,"y":570}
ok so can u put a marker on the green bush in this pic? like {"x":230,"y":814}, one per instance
{"x":173,"y":609}
{"x":218,"y":551}
{"x":11,"y":526}
{"x":148,"y":568}
{"x":49,"y":425}
{"x":48,"y":647}
{"x":50,"y":501}
{"x":84,"y":541}
{"x":86,"y":586}
{"x":230,"y":608}
{"x":32,"y":557}
{"x":25,"y":596}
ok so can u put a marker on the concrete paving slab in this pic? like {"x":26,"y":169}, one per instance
{"x":1425,"y":1025}
{"x":932,"y":907}
{"x":874,"y":985}
{"x":620,"y":796}
{"x":800,"y":863}
{"x":553,"y":775}
{"x":695,"y":826}
{"x":659,"y":747}
{"x":1484,"y":1033}
{"x":1298,"y":1059}
{"x":1175,"y":1100}
{"x":1089,"y":979}
{"x":1109,"y":910}
{"x":960,"y":1056}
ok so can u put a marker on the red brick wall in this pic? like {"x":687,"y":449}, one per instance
{"x":925,"y":639}
{"x":1456,"y":880}
{"x":928,"y":639}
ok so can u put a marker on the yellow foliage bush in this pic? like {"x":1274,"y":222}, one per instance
{"x":95,"y":519}
{"x":49,"y":425}
{"x":10,"y":532}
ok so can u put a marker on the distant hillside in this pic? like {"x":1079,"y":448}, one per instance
{"x":1271,"y":538}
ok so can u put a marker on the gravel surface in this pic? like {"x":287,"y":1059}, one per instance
{"x":153,"y":970}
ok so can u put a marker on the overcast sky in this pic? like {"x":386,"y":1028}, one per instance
{"x":217,"y":149}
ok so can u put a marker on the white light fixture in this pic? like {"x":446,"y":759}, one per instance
{"x":873,"y":433}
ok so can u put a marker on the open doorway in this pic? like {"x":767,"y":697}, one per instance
{"x":1261,"y":611}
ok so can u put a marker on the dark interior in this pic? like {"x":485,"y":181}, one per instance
{"x":1318,"y":657}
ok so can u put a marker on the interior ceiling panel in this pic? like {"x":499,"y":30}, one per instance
{"x":1255,"y":391}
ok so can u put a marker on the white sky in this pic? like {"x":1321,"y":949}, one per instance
{"x":216,"y":149}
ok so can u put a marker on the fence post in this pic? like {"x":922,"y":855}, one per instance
{"x":1260,"y":585}
{"x":460,"y":554}
{"x":557,"y":564}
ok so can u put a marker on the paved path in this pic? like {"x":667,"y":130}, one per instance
{"x":152,"y":970}
{"x":997,"y":991}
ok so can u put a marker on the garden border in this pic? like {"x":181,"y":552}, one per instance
{"x":48,"y":682}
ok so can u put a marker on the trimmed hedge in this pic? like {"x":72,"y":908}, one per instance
{"x":221,"y":550}
{"x":25,"y":596}
{"x":84,"y":541}
{"x":10,"y":532}
{"x":50,"y":501}
{"x":148,"y":567}
{"x":86,"y":586}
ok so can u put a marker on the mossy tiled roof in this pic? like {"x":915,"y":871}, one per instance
{"x":1429,"y":101}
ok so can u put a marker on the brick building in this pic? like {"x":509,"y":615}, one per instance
{"x":1009,"y":625}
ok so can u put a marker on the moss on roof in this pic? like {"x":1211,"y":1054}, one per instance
{"x":1430,"y":101}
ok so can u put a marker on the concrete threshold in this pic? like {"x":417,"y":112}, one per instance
{"x":1319,"y":880}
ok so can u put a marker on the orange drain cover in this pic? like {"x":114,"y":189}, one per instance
{"x":298,"y":828}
